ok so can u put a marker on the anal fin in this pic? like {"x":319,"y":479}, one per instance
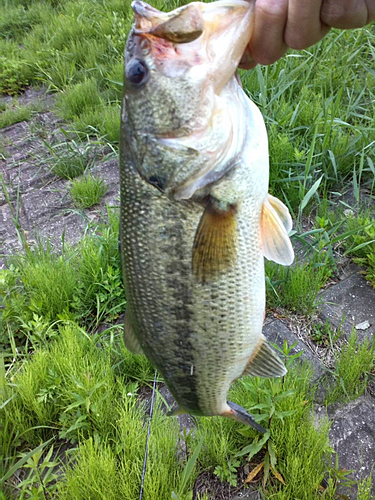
{"x":215,"y":243}
{"x":265,"y":363}
{"x":130,"y":339}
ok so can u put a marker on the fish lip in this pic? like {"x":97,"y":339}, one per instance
{"x":143,"y":9}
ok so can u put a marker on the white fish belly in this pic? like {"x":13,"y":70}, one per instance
{"x":229,"y":317}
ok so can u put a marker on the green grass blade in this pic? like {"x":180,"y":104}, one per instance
{"x":310,"y":194}
{"x":23,"y":460}
{"x":188,"y":470}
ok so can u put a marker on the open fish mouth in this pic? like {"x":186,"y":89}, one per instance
{"x":215,"y":33}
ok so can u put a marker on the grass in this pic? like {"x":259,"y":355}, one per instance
{"x":63,"y":382}
{"x":353,"y":366}
{"x":16,"y":114}
{"x":70,"y":158}
{"x":42,"y":286}
{"x":295,"y":288}
{"x":87,"y":191}
{"x":69,"y":386}
{"x":361,"y":245}
{"x":86,"y":396}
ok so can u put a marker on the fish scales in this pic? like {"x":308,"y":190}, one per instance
{"x":178,"y":316}
{"x":196,"y":217}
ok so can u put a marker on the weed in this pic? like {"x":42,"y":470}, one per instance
{"x":69,"y":166}
{"x":352,"y":367}
{"x":40,"y":287}
{"x":364,"y":489}
{"x":228,"y":471}
{"x":87,"y":191}
{"x":68,"y":386}
{"x":18,"y":114}
{"x":324,"y":335}
{"x":188,"y":470}
{"x":291,"y":452}
{"x":18,"y":20}
{"x":110,"y":126}
{"x":40,"y":479}
{"x":70,"y":158}
{"x":94,"y":475}
{"x":79,"y":99}
{"x":361,"y":244}
{"x":116,"y":470}
{"x":15,"y":75}
{"x":49,"y":279}
{"x":295,"y":288}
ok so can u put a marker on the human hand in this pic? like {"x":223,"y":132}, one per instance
{"x":297,"y":24}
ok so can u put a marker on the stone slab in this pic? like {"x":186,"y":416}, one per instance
{"x":352,"y":299}
{"x":276,"y":332}
{"x":352,"y":436}
{"x":249,"y":494}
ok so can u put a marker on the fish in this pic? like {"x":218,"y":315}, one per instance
{"x":196,"y":218}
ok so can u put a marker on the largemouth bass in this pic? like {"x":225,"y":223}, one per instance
{"x":196,"y":216}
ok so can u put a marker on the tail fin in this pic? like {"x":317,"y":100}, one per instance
{"x":238,"y":413}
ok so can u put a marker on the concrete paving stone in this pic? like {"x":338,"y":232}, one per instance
{"x":30,"y":96}
{"x":276,"y":331}
{"x":47,"y":213}
{"x":15,"y":132}
{"x":28,"y":176}
{"x":71,"y":226}
{"x":352,"y":436}
{"x":21,"y":151}
{"x":48,"y":119}
{"x":352,"y":299}
{"x":47,"y":203}
{"x":249,"y":494}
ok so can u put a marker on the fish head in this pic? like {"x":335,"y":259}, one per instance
{"x":176,"y":62}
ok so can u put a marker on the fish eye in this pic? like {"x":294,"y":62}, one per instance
{"x":137,"y":72}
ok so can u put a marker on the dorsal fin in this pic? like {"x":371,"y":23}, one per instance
{"x":276,"y":223}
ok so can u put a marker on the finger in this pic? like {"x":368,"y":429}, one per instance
{"x":346,"y":14}
{"x":304,"y":27}
{"x":247,"y":62}
{"x":267,"y":42}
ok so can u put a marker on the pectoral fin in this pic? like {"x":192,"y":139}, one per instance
{"x":276,"y":223}
{"x":215,"y":243}
{"x":130,"y":339}
{"x":265,"y":362}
